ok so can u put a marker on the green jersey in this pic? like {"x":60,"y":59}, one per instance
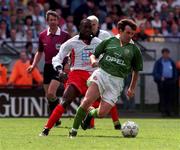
{"x":118,"y":60}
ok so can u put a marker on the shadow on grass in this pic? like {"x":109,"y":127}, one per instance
{"x":89,"y":136}
{"x":100,"y":136}
{"x":98,"y":128}
{"x":63,"y":127}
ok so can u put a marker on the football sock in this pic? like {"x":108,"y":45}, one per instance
{"x":94,"y":113}
{"x":56,"y":114}
{"x":92,"y":123}
{"x":114,"y":114}
{"x":53,"y":102}
{"x":95,"y":105}
{"x":80,"y":115}
{"x":91,"y":114}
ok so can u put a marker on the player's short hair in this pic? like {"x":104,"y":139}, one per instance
{"x":122,"y":24}
{"x":52,"y":13}
{"x":92,"y":17}
{"x":83,"y":21}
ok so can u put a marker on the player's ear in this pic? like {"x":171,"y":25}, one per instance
{"x":119,"y":31}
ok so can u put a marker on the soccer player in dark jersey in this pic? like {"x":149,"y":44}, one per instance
{"x":119,"y":59}
{"x":50,"y":41}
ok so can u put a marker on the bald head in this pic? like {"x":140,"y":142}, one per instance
{"x":94,"y":23}
{"x":93,"y":18}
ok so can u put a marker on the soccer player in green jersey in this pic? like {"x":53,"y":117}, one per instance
{"x":119,"y":59}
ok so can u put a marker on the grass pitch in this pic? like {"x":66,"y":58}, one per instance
{"x":154,"y":134}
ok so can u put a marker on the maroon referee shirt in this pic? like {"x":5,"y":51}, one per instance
{"x":50,"y":43}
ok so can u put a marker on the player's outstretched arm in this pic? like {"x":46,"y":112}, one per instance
{"x":36,"y":60}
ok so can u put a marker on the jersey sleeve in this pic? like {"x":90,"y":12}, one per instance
{"x":65,"y":49}
{"x":137,"y":62}
{"x":40,"y":46}
{"x":100,"y":49}
{"x":67,"y":36}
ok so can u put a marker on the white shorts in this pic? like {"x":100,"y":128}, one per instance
{"x":110,"y":87}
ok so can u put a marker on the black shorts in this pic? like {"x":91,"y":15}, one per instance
{"x":49,"y":74}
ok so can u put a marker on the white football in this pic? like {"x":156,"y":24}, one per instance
{"x":130,"y":129}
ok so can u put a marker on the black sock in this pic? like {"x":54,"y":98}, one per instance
{"x":52,"y":105}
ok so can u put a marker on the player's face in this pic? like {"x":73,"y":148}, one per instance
{"x":127,"y":34}
{"x":86,"y":29}
{"x":52,"y":21}
{"x":94,"y":25}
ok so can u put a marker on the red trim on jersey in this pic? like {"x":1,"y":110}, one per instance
{"x":72,"y":57}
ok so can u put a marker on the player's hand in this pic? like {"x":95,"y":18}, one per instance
{"x":95,"y":64}
{"x":30,"y":69}
{"x":130,"y":93}
{"x":62,"y":75}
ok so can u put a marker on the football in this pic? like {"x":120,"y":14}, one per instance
{"x":130,"y":129}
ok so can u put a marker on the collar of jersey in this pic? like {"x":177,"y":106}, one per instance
{"x":58,"y":32}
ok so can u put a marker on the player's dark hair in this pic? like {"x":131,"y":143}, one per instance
{"x":84,"y":21}
{"x":124,"y":22}
{"x":52,"y":13}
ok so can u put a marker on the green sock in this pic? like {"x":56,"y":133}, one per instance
{"x":80,"y":114}
{"x":94,"y":113}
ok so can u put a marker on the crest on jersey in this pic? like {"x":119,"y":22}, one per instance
{"x":126,"y":51}
{"x":58,"y":46}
